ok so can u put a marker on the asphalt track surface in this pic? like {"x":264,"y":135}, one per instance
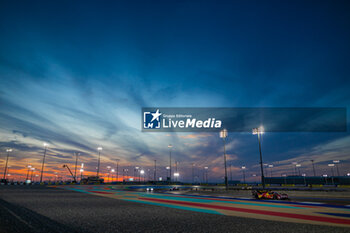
{"x":329,"y":198}
{"x":45,"y":209}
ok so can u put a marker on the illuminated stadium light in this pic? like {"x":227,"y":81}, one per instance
{"x":223,"y":133}
{"x":259,"y":130}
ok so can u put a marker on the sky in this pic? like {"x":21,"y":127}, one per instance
{"x":76,"y":74}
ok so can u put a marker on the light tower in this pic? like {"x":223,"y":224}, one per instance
{"x":99,"y":160}
{"x":42,"y":166}
{"x":7,"y":159}
{"x":170,"y":147}
{"x":260,"y":131}
{"x":223,"y":135}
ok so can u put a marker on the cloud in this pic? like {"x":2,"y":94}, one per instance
{"x":195,"y":136}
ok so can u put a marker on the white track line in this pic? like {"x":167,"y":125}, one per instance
{"x":316,"y":203}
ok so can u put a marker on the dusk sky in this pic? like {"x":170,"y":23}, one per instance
{"x":76,"y":74}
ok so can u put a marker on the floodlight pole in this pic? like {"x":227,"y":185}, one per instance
{"x":76,"y":164}
{"x":99,"y":159}
{"x":336,"y":162}
{"x":170,"y":147}
{"x":259,"y":131}
{"x":313,"y":167}
{"x":43,"y":163}
{"x":243,"y":169}
{"x":226,"y":181}
{"x":7,"y":159}
{"x":223,"y":135}
{"x":117,"y":169}
{"x":193,"y":173}
{"x":29,"y":166}
{"x":261,"y":163}
{"x":155,"y":170}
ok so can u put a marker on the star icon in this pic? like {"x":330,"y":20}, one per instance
{"x":156,"y":115}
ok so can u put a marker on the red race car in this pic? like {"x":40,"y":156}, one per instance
{"x":259,"y":194}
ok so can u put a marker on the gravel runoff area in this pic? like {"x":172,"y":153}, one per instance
{"x":44,"y":209}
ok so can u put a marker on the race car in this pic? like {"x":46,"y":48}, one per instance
{"x":260,"y":194}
